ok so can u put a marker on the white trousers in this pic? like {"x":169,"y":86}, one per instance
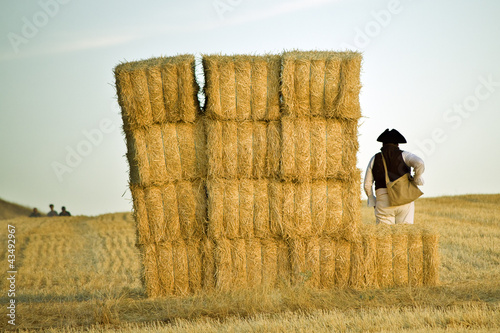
{"x":385,"y":213}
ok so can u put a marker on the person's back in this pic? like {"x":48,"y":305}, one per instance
{"x":35,"y":213}
{"x":52,"y":211}
{"x":64,"y":212}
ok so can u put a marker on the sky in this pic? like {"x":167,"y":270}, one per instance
{"x":430,"y":69}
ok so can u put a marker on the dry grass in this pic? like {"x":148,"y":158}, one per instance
{"x":79,"y":273}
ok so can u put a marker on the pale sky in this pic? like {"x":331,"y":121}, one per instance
{"x":431,"y":70}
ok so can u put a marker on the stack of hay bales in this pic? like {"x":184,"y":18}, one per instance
{"x":167,"y":159}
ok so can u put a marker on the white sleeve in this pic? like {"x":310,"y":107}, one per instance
{"x":368,"y":183}
{"x":417,"y":164}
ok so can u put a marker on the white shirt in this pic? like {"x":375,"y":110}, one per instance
{"x":410,"y":159}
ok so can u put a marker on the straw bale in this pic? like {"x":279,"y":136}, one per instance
{"x":261,"y":209}
{"x":273,"y":87}
{"x":154,"y":204}
{"x":319,"y":148}
{"x":288,"y":208}
{"x":200,"y":140}
{"x":143,"y":114}
{"x":303,"y":148}
{"x":288,"y":168}
{"x":223,"y":264}
{"x":319,"y":197}
{"x":312,"y":261}
{"x":229,"y":149}
{"x":384,"y":257}
{"x":332,"y":85}
{"x":151,"y":278}
{"x":208,"y":264}
{"x":259,"y":149}
{"x":273,"y":148}
{"x":400,"y":257}
{"x":155,"y":90}
{"x":227,"y":87}
{"x":154,"y":143}
{"x":259,"y":88}
{"x":317,"y":87}
{"x":170,"y":85}
{"x":334,"y":208}
{"x":350,"y":145}
{"x":415,"y":258}
{"x":302,"y":220}
{"x":302,"y":87}
{"x":288,"y":85}
{"x":284,"y":268}
{"x":171,"y":152}
{"x":253,"y":249}
{"x":275,"y":190}
{"x":298,"y":260}
{"x":430,"y":242}
{"x":189,"y":105}
{"x":327,"y":262}
{"x":369,"y":239}
{"x":246,"y":211}
{"x":243,"y":74}
{"x":141,"y":215}
{"x":212,"y":87}
{"x":191,"y":208}
{"x":139,"y":156}
{"x":351,"y":210}
{"x":334,"y":148}
{"x":165,"y":262}
{"x":125,"y":94}
{"x":239,"y":265}
{"x":181,"y":268}
{"x":347,"y":101}
{"x":342,"y":263}
{"x":134,"y":176}
{"x":215,"y":203}
{"x":269,"y":262}
{"x":245,"y":149}
{"x":215,"y":155}
{"x":187,"y":149}
{"x":231,"y":209}
{"x":194,"y":259}
{"x":358,"y":269}
{"x":171,"y":212}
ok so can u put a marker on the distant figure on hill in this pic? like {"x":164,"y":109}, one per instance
{"x":64,"y":212}
{"x":52,"y":211}
{"x":398,"y":163}
{"x":35,"y":213}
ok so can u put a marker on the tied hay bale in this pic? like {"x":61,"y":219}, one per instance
{"x":284,"y":268}
{"x":350,"y":145}
{"x":269,"y":262}
{"x":253,"y":249}
{"x":430,"y":242}
{"x":143,"y":114}
{"x":259,"y":149}
{"x":229,"y":149}
{"x":246,"y":204}
{"x":243,"y":74}
{"x":287,"y":148}
{"x":273,"y":87}
{"x":296,"y":148}
{"x":351,"y":210}
{"x":319,"y":197}
{"x":332,"y":85}
{"x":327,"y":262}
{"x":194,"y":259}
{"x":239,"y":265}
{"x":181,"y":268}
{"x":188,"y":87}
{"x":215,"y":203}
{"x":384,"y":257}
{"x":140,"y":214}
{"x":140,"y":165}
{"x":318,"y":148}
{"x":212,"y":89}
{"x":125,"y":94}
{"x":191,"y":205}
{"x":231,"y":209}
{"x":208,"y":264}
{"x":154,"y":204}
{"x":288,"y":85}
{"x":134,"y":176}
{"x":245,"y":150}
{"x":288,"y":206}
{"x":155,"y":90}
{"x":214,"y":148}
{"x":276,"y":227}
{"x":165,"y":262}
{"x":369,"y":239}
{"x":156,"y":157}
{"x":151,"y":278}
{"x":273,"y":148}
{"x":171,"y":151}
{"x":348,"y":97}
{"x":186,"y":142}
{"x":302,"y":87}
{"x":342,"y":263}
{"x":334,"y":208}
{"x":261,"y":209}
{"x":171,"y":212}
{"x":227,"y":92}
{"x":302,"y":220}
{"x":298,"y":260}
{"x":357,"y":278}
{"x":200,"y":141}
{"x":415,"y":258}
{"x":400,"y":256}
{"x":334,"y":148}
{"x":312,"y":261}
{"x":317,"y":87}
{"x":259,"y":88}
{"x":170,"y":92}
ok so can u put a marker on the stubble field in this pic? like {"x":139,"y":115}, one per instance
{"x":83,"y":273}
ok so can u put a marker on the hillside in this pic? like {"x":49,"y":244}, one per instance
{"x":74,"y":273}
{"x":10,"y":210}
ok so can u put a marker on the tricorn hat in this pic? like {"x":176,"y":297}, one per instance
{"x":392,"y":136}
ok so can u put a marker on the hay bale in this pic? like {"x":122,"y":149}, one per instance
{"x":151,"y":278}
{"x":200,"y":140}
{"x":312,"y":261}
{"x":246,"y":208}
{"x":334,"y":208}
{"x":259,"y":149}
{"x":369,"y":239}
{"x":415,"y":258}
{"x":259,"y":88}
{"x":327,"y":256}
{"x":138,"y":155}
{"x":347,"y":101}
{"x":302,"y":87}
{"x":332,"y":85}
{"x":288,"y":209}
{"x":154,"y":204}
{"x":231,"y":220}
{"x":284,"y":268}
{"x":170,"y":84}
{"x":358,"y":268}
{"x":191,"y":205}
{"x":171,"y":211}
{"x":125,"y":93}
{"x":215,"y":203}
{"x":211,"y":89}
{"x":143,"y":114}
{"x":342,"y":263}
{"x":243,"y":74}
{"x":319,"y":206}
{"x":288,"y":85}
{"x":319,"y":148}
{"x":229,"y":149}
{"x":245,"y":149}
{"x":140,"y":215}
{"x":400,"y":256}
{"x":195,"y":268}
{"x":208,"y":264}
{"x":288,"y":168}
{"x":269,"y":262}
{"x":261,"y":209}
{"x":302,"y":220}
{"x":298,"y":260}
{"x":273,"y":87}
{"x":253,"y":249}
{"x":214,"y":148}
{"x":186,"y":141}
{"x":334,"y":148}
{"x":171,"y":152}
{"x":276,"y":227}
{"x":239,"y":265}
{"x":273,"y":148}
{"x":350,"y":146}
{"x":223,"y":264}
{"x":317,"y":87}
{"x":181,"y":267}
{"x":384,"y":257}
{"x":430,"y":242}
{"x":351,"y":206}
{"x":296,"y":148}
{"x":165,"y":262}
{"x":156,"y":158}
{"x":155,"y":90}
{"x":227,"y":87}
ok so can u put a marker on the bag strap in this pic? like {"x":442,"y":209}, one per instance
{"x":387,"y":180}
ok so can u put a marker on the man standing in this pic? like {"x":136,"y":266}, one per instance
{"x":52,"y":211}
{"x":64,"y":212}
{"x":398,"y":163}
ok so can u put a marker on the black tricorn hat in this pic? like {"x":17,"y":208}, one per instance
{"x":392,"y":136}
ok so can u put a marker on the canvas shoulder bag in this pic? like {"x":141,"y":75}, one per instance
{"x":401,"y":191}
